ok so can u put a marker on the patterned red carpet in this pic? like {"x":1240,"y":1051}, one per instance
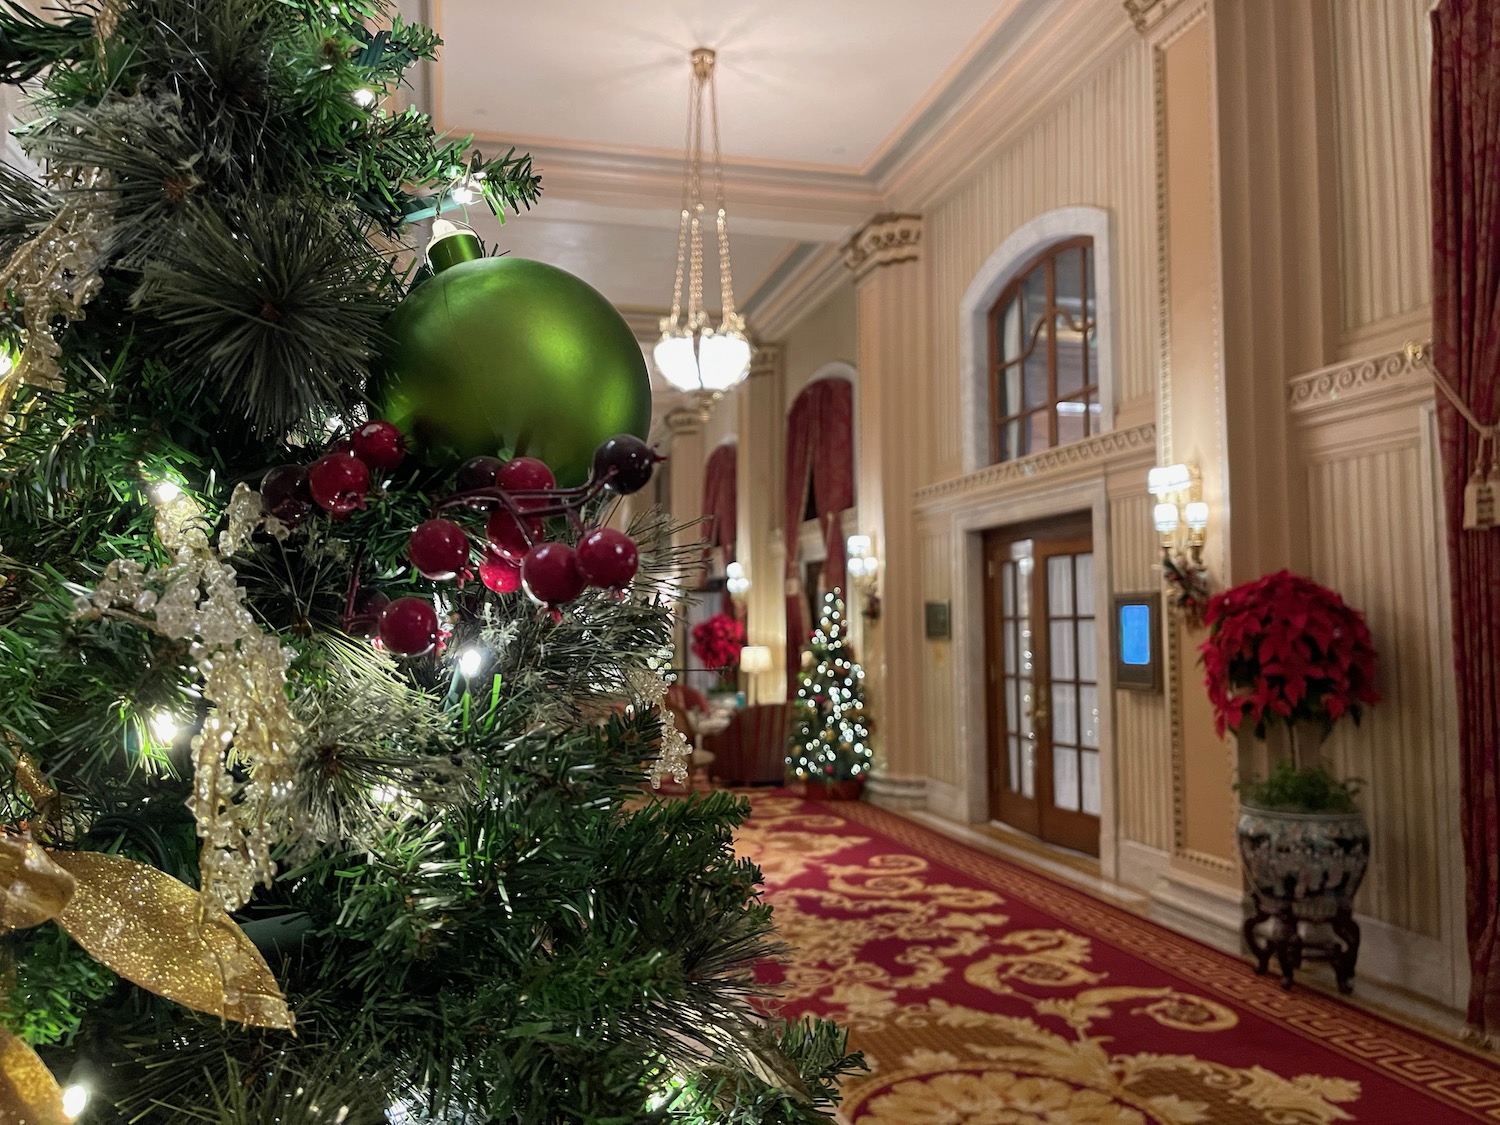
{"x":984,"y":994}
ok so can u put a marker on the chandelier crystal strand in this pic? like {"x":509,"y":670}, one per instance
{"x":691,"y":355}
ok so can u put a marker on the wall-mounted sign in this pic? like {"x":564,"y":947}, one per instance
{"x":939,"y":628}
{"x":1138,"y":641}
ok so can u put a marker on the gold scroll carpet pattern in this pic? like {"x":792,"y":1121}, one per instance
{"x":974,"y":1005}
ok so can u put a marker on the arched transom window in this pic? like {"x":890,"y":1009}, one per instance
{"x":1044,"y":370}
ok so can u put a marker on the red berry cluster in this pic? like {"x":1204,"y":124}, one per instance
{"x":518,"y":495}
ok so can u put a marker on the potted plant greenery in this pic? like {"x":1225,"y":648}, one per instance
{"x":1284,"y":651}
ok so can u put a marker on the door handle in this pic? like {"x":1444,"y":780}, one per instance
{"x":1040,"y":711}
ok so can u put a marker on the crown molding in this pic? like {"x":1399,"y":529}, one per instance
{"x":886,"y":240}
{"x":805,"y":204}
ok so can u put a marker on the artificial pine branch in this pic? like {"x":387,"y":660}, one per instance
{"x":279,"y":310}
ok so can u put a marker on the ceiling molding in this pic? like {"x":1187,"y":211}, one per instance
{"x":808,"y":203}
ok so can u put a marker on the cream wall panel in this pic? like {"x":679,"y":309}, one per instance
{"x":1142,"y":734}
{"x":825,"y":335}
{"x":939,"y":728}
{"x":1381,"y":56}
{"x":1094,"y":149}
{"x":1367,"y":514}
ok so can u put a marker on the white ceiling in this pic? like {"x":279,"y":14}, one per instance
{"x":800,"y":82}
{"x":822,"y":103}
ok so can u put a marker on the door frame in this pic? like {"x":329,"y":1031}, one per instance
{"x":1003,"y":504}
{"x":1059,"y":536}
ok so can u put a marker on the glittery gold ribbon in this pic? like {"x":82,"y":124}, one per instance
{"x":157,"y":932}
{"x":145,"y":925}
{"x":28,"y":1092}
{"x":33,"y":889}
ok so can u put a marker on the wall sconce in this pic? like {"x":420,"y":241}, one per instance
{"x":1181,"y":520}
{"x":755,"y":660}
{"x":736,"y":582}
{"x":863,"y":568}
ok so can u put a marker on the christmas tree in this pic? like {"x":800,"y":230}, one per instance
{"x":270,"y":758}
{"x":830,"y":738}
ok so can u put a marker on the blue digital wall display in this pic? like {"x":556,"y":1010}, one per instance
{"x":1135,"y":634}
{"x":1137,"y":656}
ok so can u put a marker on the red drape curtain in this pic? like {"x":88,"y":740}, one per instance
{"x":833,"y":469}
{"x":719,"y":497}
{"x":1466,"y":347}
{"x":820,"y":456}
{"x":799,"y":429}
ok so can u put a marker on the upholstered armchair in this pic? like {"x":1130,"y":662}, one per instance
{"x":752,"y":749}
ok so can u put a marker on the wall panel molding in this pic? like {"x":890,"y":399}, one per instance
{"x":1091,"y":455}
{"x":1381,"y":56}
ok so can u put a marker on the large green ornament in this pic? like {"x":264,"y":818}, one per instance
{"x":506,"y":353}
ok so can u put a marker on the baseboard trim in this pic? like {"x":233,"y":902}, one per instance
{"x":1210,"y":912}
{"x":1140,"y":865}
{"x":948,"y":801}
{"x":896,"y":792}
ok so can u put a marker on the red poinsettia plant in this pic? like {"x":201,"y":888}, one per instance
{"x":717,"y":641}
{"x":1283,"y":649}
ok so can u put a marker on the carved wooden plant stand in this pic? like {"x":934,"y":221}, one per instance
{"x":1286,"y":942}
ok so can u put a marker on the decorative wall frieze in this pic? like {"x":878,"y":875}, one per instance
{"x":885,"y":240}
{"x":1396,"y":371}
{"x":1100,"y":451}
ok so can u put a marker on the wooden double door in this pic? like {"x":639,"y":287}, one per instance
{"x":1043,"y":681}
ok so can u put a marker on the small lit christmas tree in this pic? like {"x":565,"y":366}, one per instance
{"x":831,"y":739}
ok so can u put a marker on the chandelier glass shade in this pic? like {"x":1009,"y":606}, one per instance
{"x":692,"y":354}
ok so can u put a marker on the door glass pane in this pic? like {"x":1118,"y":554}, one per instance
{"x":1065,"y":779}
{"x":1060,"y":586}
{"x":1012,"y":705}
{"x":1091,"y":782}
{"x":1095,"y":425}
{"x":1069,"y":283}
{"x":1065,"y":714}
{"x":1025,"y":710}
{"x":1088,"y":664}
{"x":1085,"y":565}
{"x":1028,"y":769}
{"x":1014,"y":771}
{"x":1088,"y":706}
{"x":1064,"y":659}
{"x":1023,"y":578}
{"x":1008,"y":588}
{"x":1012,"y":655}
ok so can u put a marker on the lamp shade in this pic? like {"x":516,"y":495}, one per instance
{"x":755,"y":659}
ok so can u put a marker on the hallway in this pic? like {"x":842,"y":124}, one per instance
{"x":983,"y":993}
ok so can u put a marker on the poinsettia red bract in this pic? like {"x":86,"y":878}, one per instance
{"x":717,"y":641}
{"x":1285,"y":649}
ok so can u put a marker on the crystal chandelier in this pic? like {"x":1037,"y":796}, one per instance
{"x":691,"y":354}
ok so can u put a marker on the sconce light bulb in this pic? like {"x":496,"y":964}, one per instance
{"x":1166,"y":518}
{"x":1195,"y":515}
